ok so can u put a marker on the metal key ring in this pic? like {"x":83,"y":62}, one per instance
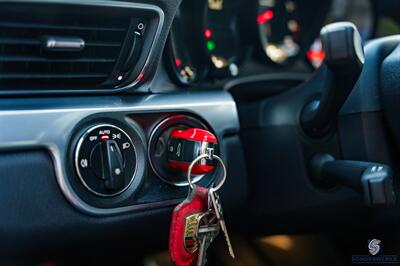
{"x":189,"y":172}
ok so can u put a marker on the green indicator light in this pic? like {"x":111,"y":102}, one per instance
{"x":210,"y":45}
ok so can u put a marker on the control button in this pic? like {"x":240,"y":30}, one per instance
{"x":105,"y":160}
{"x":107,"y":163}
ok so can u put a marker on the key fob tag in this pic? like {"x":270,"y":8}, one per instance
{"x":183,"y":241}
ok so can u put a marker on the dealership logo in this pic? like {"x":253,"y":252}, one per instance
{"x":374,"y":246}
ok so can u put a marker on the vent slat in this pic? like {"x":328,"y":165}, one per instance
{"x":55,"y":60}
{"x":19,"y":41}
{"x":51,"y":76}
{"x":102,"y":44}
{"x":56,"y":27}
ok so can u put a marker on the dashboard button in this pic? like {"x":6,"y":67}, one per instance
{"x":105,"y":160}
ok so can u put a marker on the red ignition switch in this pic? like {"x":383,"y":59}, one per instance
{"x":186,"y":145}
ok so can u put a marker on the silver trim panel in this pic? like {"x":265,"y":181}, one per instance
{"x":49,"y":124}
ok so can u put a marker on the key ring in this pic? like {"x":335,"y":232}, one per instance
{"x":213,"y":156}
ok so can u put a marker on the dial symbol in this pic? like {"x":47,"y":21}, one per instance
{"x":117,"y":171}
{"x":116,"y":136}
{"x":84,"y":163}
{"x":126,"y":145}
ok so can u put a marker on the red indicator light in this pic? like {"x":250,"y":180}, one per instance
{"x":207,"y":33}
{"x":316,"y":55}
{"x":140,"y":76}
{"x":105,"y":137}
{"x":265,"y":17}
{"x":178,"y":62}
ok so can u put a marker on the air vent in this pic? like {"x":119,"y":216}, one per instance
{"x":65,"y":47}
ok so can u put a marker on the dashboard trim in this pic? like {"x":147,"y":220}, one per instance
{"x":35,"y":123}
{"x":287,"y":76}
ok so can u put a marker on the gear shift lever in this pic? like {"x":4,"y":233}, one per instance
{"x":344,"y":59}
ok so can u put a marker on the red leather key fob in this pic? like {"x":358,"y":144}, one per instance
{"x":183,"y":242}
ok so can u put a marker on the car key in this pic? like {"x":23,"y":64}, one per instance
{"x":190,"y":213}
{"x":206,"y":233}
{"x":215,"y":203}
{"x":183,"y":240}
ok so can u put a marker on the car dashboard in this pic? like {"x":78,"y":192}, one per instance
{"x":79,"y":79}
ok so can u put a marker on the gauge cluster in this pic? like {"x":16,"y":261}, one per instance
{"x":360,"y":12}
{"x":285,"y":27}
{"x":280,"y":26}
{"x":221,"y":36}
{"x":218,"y":40}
